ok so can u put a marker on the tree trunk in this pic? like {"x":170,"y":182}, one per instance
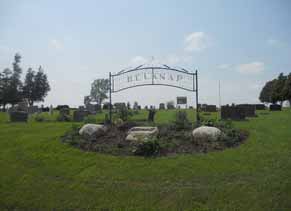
{"x":30,"y":103}
{"x":4,"y":107}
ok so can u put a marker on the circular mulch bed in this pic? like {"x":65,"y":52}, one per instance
{"x":171,"y":140}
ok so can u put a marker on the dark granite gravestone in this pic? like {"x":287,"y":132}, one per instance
{"x":232,"y":112}
{"x":59,"y":107}
{"x":250,"y":110}
{"x":18,"y":116}
{"x":260,"y":106}
{"x":45,"y":109}
{"x":275,"y":107}
{"x":81,"y":108}
{"x":209,"y":108}
{"x":91,"y":108}
{"x":162,"y":106}
{"x":79,"y":115}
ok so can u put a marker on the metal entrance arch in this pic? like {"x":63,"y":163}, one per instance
{"x":153,"y":76}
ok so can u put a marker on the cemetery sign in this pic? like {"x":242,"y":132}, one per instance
{"x":153,"y":75}
{"x":181,"y":100}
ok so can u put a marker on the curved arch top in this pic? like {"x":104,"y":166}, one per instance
{"x":153,"y":75}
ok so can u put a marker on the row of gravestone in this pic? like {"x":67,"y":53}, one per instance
{"x":21,"y":111}
{"x":241,"y":111}
{"x":207,"y":108}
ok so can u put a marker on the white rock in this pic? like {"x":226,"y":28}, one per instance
{"x":91,"y":130}
{"x":205,"y":133}
{"x":141,"y":133}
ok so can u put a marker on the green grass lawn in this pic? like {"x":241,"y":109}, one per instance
{"x":39,"y":172}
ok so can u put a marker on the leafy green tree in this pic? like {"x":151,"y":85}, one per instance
{"x":36,"y":86}
{"x":5,"y":87}
{"x":277,"y":90}
{"x":87,"y":100}
{"x":99,"y":90}
{"x":287,"y":89}
{"x":266,"y":93}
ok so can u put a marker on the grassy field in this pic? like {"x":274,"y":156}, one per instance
{"x":39,"y":172}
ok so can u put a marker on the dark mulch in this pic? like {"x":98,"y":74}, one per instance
{"x":171,"y":141}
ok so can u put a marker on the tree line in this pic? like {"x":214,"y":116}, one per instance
{"x":277,"y":90}
{"x":13,"y":90}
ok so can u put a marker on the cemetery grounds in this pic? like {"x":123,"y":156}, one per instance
{"x":39,"y":172}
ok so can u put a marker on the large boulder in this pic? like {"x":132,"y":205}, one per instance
{"x":91,"y":131}
{"x":206,"y":134}
{"x":141,"y":133}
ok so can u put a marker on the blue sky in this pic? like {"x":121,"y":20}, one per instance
{"x":241,"y":43}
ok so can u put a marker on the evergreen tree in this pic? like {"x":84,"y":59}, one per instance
{"x":36,"y":86}
{"x":15,"y":84}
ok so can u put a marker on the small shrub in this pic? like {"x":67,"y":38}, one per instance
{"x":106,"y":119}
{"x":39,"y":118}
{"x":233,"y":137}
{"x":123,"y":113}
{"x":182,"y":121}
{"x":147,"y":148}
{"x":63,"y":118}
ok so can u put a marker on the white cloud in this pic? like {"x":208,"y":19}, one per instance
{"x":167,"y":60}
{"x":224,"y":66}
{"x":196,"y":41}
{"x":251,"y":68}
{"x":56,"y":44}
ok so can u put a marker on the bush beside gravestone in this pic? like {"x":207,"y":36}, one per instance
{"x":182,"y":121}
{"x":18,"y":116}
{"x":275,"y":107}
{"x":64,"y":115}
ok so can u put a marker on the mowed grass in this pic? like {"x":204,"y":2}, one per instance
{"x":38,"y":172}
